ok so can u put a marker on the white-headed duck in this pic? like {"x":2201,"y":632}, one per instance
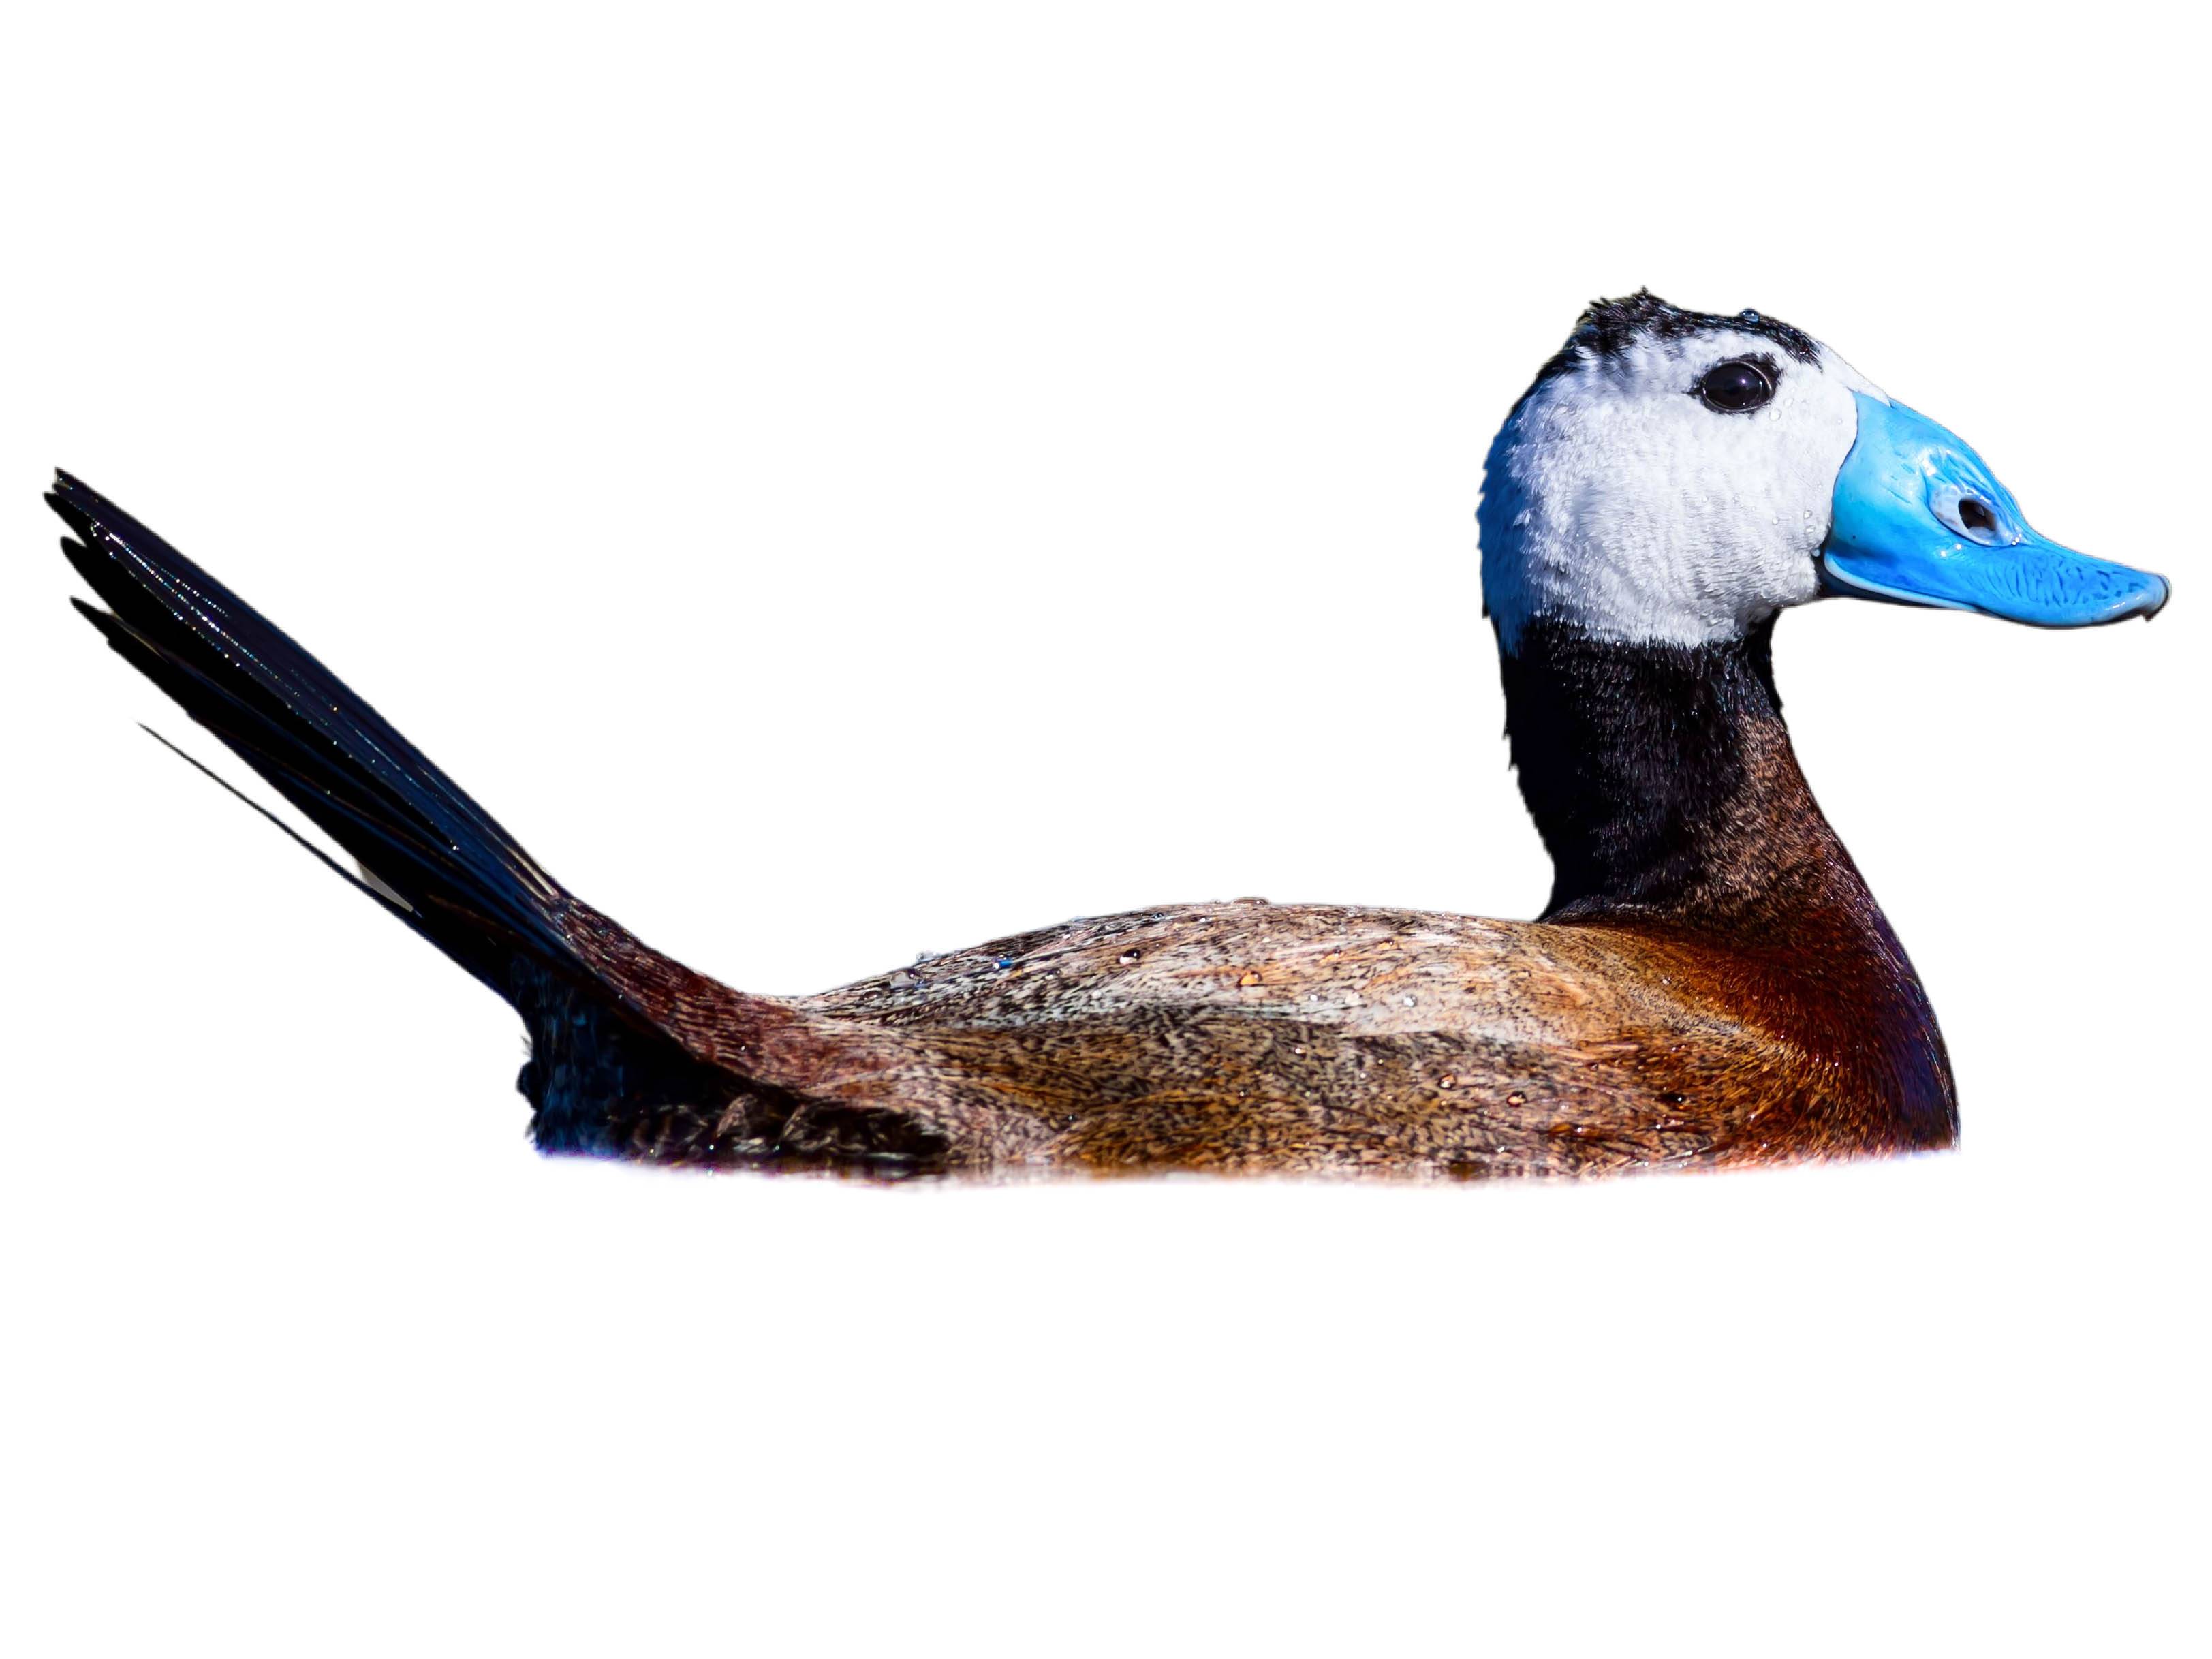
{"x":1711,"y":985}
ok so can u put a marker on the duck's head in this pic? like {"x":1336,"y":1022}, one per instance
{"x":1675,"y":477}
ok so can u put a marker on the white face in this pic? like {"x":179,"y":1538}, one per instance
{"x":1619,"y":499}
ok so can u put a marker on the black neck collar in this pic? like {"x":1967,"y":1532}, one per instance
{"x":1660,"y":777}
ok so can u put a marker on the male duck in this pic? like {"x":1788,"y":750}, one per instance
{"x":1711,"y":985}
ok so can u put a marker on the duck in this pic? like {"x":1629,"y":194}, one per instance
{"x":1710,"y":985}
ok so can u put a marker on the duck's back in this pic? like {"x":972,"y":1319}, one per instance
{"x":1308,"y":1039}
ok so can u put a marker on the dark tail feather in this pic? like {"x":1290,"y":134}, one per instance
{"x":465,"y":883}
{"x":630,"y":1051}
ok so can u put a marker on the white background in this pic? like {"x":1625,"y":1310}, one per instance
{"x":842,"y":481}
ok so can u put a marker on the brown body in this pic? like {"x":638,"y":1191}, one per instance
{"x":1762,"y":1012}
{"x":1248,"y":1037}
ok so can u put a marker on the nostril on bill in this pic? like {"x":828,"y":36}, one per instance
{"x":1976,"y":515}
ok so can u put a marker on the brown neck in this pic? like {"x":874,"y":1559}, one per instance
{"x":1663,"y":783}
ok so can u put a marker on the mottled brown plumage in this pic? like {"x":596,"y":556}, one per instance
{"x":1248,"y":1037}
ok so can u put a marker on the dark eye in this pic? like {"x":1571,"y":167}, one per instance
{"x":1735,"y":387}
{"x":1976,"y":515}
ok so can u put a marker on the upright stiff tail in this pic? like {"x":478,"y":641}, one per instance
{"x":604,"y":1013}
{"x":443,"y":866}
